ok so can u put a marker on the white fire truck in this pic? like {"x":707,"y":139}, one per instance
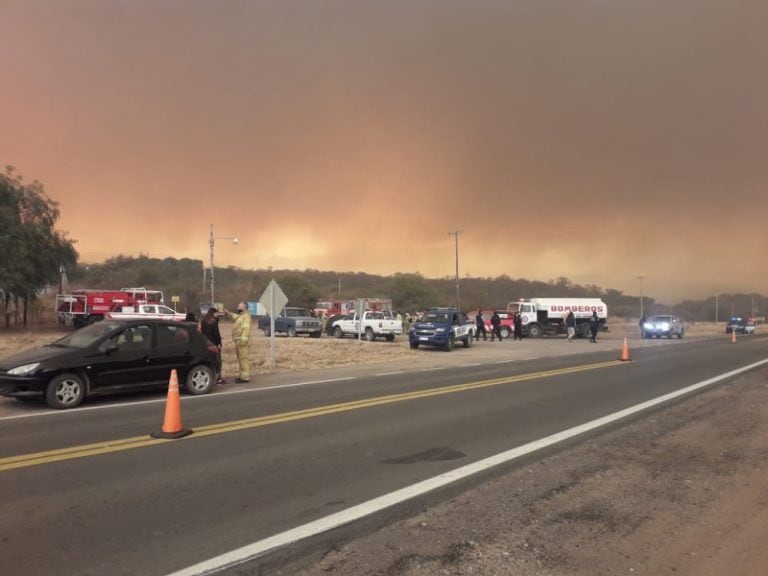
{"x":546,"y":316}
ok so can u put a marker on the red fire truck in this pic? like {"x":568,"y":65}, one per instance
{"x":82,"y":307}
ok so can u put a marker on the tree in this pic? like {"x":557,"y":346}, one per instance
{"x":411,"y":292}
{"x":33,"y":250}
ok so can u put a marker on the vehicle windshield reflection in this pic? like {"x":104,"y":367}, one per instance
{"x":87,"y":336}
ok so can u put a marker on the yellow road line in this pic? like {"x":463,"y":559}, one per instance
{"x":25,"y":460}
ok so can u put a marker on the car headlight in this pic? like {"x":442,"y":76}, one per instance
{"x":648,"y":326}
{"x":23,"y":370}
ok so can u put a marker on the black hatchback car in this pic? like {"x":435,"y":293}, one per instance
{"x":112,"y":356}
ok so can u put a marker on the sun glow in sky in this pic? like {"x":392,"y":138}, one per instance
{"x":594,"y":140}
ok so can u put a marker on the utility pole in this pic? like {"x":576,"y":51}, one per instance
{"x":455,"y":234}
{"x":211,"y":243}
{"x":641,"y":278}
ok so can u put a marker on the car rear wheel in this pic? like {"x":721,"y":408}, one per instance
{"x":200,"y":380}
{"x":505,"y":332}
{"x":338,"y":332}
{"x":469,"y":339}
{"x":65,"y":391}
{"x":369,"y":335}
{"x":390,"y":337}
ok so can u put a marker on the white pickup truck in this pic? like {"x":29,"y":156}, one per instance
{"x":156,"y":311}
{"x":374,"y":325}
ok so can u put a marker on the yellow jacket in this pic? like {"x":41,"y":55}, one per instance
{"x":241,"y":329}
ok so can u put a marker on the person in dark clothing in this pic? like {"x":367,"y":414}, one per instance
{"x":518,"y":330}
{"x":594,"y":326}
{"x":495,"y":326}
{"x":642,"y":327}
{"x":480,"y":321}
{"x":570,"y":325}
{"x":209,"y":327}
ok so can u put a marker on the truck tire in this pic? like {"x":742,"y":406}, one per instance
{"x":450,"y":344}
{"x":505,"y":332}
{"x":585,"y":330}
{"x":291,"y":331}
{"x":338,"y":332}
{"x":390,"y":337}
{"x":468,"y":340}
{"x":535,"y":331}
{"x":369,"y":335}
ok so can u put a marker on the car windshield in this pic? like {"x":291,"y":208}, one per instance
{"x":85,"y":337}
{"x":438,"y":317}
{"x":661,"y":319}
{"x":296,"y":312}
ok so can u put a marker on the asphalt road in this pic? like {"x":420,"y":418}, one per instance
{"x":99,"y":496}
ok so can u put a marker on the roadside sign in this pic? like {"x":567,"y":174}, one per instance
{"x":175,"y":299}
{"x":273,"y":299}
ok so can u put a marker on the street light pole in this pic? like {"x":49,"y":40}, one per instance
{"x":455,"y":234}
{"x":641,"y":278}
{"x":212,"y":243}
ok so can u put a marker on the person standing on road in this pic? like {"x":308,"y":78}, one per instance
{"x":570,"y":325}
{"x":241,"y":335}
{"x":495,"y":326}
{"x":594,"y":326}
{"x":480,"y":321}
{"x":642,"y":327}
{"x":209,"y":327}
{"x":518,"y":329}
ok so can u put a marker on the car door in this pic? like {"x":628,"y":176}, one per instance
{"x":173,"y":350}
{"x":122,"y":360}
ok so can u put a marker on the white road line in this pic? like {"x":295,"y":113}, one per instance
{"x":468,"y":365}
{"x":433,"y":368}
{"x":504,"y":361}
{"x":390,"y":373}
{"x":262,"y":547}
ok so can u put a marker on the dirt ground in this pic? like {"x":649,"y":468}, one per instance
{"x":683,"y":491}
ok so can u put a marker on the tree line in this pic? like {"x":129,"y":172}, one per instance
{"x":186,"y":278}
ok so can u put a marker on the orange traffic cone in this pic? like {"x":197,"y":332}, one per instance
{"x":172,"y":427}
{"x":625,"y":352}
{"x":733,"y":336}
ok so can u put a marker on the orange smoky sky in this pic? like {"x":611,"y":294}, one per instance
{"x":597,"y":140}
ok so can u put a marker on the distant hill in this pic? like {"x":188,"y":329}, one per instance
{"x":188,"y":279}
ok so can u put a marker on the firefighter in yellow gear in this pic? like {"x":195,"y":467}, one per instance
{"x":241,"y":335}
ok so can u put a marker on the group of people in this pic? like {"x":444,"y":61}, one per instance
{"x":517,"y":327}
{"x":570,"y":326}
{"x":241,"y":336}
